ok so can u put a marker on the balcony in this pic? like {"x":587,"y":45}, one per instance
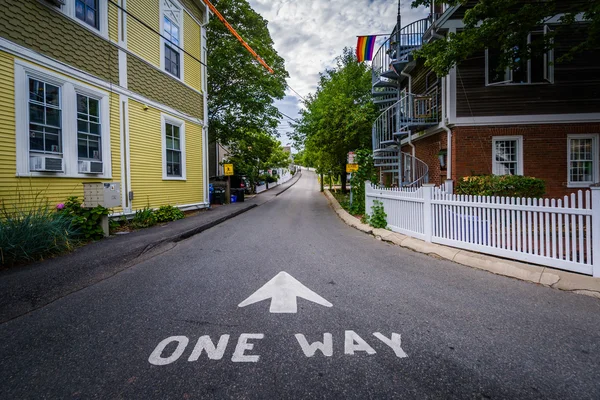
{"x":395,"y":53}
{"x":411,"y":112}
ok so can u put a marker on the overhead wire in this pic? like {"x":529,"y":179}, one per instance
{"x":211,"y":70}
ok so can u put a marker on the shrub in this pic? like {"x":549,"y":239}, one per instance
{"x":270,"y":179}
{"x":33,"y":232}
{"x":378,"y":217}
{"x":168,"y":213}
{"x":87,"y":221}
{"x":143,"y":218}
{"x":501,"y":185}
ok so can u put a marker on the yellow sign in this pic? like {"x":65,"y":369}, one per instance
{"x":228,"y":169}
{"x":351,"y":168}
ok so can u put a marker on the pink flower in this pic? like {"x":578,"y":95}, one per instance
{"x":60,"y":206}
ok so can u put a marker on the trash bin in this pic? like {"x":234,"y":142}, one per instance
{"x":239,"y":194}
{"x":218,"y":196}
{"x":233,"y":198}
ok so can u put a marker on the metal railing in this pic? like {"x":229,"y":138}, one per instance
{"x":382,"y":60}
{"x":397,"y":48}
{"x":410,"y":111}
{"x":415,"y":172}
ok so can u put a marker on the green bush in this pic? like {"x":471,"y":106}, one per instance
{"x":501,"y":185}
{"x":378,"y":217}
{"x":168,"y":213}
{"x":143,"y":218}
{"x":33,"y":232}
{"x":270,"y":179}
{"x":87,"y":221}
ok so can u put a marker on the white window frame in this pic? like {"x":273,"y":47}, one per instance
{"x":69,"y":89}
{"x":69,"y":10}
{"x":519,"y":140}
{"x":595,"y":160}
{"x":163,"y":41}
{"x":548,"y":70}
{"x":168,"y":119}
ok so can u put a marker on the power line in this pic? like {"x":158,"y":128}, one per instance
{"x":211,"y":70}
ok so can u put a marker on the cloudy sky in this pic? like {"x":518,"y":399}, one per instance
{"x":309,"y":34}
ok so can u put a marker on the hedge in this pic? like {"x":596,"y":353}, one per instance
{"x":501,"y":185}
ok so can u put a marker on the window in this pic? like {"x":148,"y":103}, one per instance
{"x":173,"y":148}
{"x":507,"y":153}
{"x":88,"y":12}
{"x":173,"y":144}
{"x":171,"y":60}
{"x":171,"y":32}
{"x":582,"y":160}
{"x":59,"y":125}
{"x":538,"y":69}
{"x":45,"y":120}
{"x":88,"y":128}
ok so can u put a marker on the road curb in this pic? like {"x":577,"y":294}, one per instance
{"x":557,"y":279}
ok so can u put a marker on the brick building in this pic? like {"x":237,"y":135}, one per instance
{"x":541,"y":119}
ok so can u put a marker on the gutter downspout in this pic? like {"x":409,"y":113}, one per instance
{"x":445,"y":118}
{"x":204,"y":58}
{"x":410,"y":143}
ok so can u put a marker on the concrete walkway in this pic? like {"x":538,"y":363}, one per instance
{"x":550,"y":277}
{"x":27,"y":288}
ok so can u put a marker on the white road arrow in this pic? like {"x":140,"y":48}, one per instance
{"x":283,"y":290}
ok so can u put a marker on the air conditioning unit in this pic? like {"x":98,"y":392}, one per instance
{"x":57,"y":3}
{"x":89,"y":167}
{"x":44,"y":163}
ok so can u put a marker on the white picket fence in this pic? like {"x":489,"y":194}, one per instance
{"x":561,"y":233}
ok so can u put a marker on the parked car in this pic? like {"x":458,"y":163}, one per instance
{"x":237,"y":182}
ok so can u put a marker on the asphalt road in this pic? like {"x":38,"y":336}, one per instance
{"x":464,"y":333}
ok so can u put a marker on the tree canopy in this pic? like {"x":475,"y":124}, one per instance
{"x":241,"y":92}
{"x":338,"y":117}
{"x":505,"y":25}
{"x":257,"y":151}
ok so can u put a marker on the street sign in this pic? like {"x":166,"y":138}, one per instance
{"x":351,"y":156}
{"x":283,"y":290}
{"x":351,"y":168}
{"x":228,"y":169}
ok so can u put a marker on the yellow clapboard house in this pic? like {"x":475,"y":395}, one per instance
{"x":104,"y":91}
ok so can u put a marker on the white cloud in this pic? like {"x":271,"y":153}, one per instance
{"x":309,"y":34}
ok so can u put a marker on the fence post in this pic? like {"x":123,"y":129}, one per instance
{"x":428,"y":211}
{"x":367,"y":187}
{"x":449,"y":183}
{"x":595,"y":230}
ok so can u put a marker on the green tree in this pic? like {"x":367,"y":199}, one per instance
{"x":256,"y":151}
{"x":505,"y":25}
{"x":338,"y":117}
{"x":241,"y":91}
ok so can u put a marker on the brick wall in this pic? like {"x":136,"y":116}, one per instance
{"x":544,"y":151}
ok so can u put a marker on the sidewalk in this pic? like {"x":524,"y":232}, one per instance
{"x":24,"y":289}
{"x":554,"y":278}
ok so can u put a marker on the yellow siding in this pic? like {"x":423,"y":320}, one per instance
{"x":20,"y":191}
{"x":140,"y":40}
{"x":113,"y":22}
{"x":191,"y":44}
{"x":145,"y":143}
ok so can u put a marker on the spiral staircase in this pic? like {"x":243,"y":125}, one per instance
{"x":401,"y":112}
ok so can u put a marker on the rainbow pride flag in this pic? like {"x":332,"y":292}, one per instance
{"x":364,"y":48}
